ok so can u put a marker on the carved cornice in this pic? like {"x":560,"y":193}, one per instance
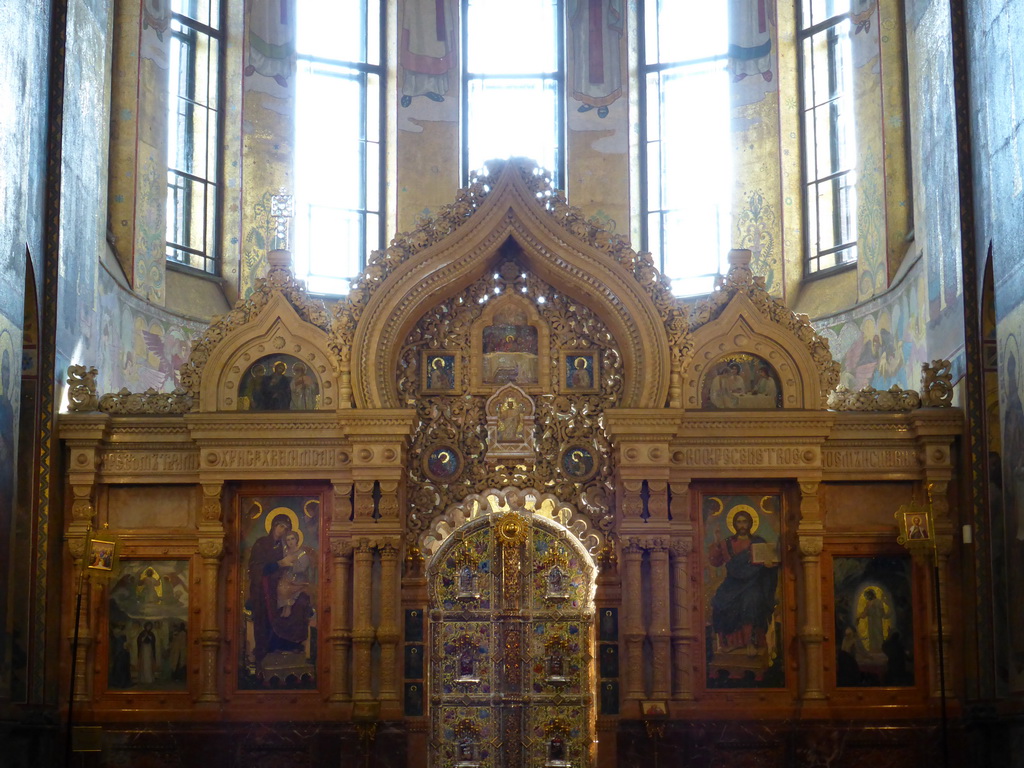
{"x":154,"y":428}
{"x":149,"y":402}
{"x":870,"y":399}
{"x":812,"y":425}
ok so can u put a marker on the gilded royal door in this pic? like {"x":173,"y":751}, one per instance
{"x":511,"y":621}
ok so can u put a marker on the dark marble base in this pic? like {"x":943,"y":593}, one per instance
{"x":223,"y":745}
{"x":30,"y":742}
{"x":784,"y":744}
{"x":980,"y":740}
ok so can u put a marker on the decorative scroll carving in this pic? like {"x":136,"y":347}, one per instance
{"x":387,"y":506}
{"x":433,"y":229}
{"x":82,"y":509}
{"x":562,"y":418}
{"x":870,"y":399}
{"x":811,"y":546}
{"x":211,"y":548}
{"x":279,"y":279}
{"x":211,"y":504}
{"x":937,"y":384}
{"x":741,"y":279}
{"x":494,"y":501}
{"x":82,"y":388}
{"x":150,"y":401}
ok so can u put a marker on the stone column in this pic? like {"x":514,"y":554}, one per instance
{"x":660,"y":629}
{"x":211,"y":549}
{"x":633,"y":620}
{"x":362,"y":628}
{"x":388,"y":632}
{"x":341,"y":627}
{"x":810,"y":538}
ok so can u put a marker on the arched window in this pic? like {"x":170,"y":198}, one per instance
{"x":339,"y":158}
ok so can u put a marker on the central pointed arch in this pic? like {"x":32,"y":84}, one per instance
{"x":556,"y":245}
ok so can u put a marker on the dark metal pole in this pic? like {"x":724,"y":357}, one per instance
{"x":942,"y":666}
{"x":74,"y":669}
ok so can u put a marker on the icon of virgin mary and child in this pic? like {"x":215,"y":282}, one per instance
{"x":280,"y":583}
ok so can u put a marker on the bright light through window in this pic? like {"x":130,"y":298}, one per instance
{"x":830,"y":147}
{"x":687,"y":148}
{"x":513,"y":82}
{"x":337,"y":142}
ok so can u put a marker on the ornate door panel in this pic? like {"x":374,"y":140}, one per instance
{"x":511,"y":670}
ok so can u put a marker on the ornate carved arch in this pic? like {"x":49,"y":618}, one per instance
{"x":741,"y":329}
{"x":557,"y":244}
{"x":278,"y":329}
{"x":539,"y":506}
{"x":741,"y":317}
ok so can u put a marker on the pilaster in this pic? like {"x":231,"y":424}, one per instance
{"x":211,"y":548}
{"x":363,"y":633}
{"x":810,"y":538}
{"x":683,"y":606}
{"x":632,"y":608}
{"x":388,"y":631}
{"x":660,"y":629}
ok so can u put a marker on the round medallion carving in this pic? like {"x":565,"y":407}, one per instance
{"x":443,"y":463}
{"x":578,"y":462}
{"x":512,"y":529}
